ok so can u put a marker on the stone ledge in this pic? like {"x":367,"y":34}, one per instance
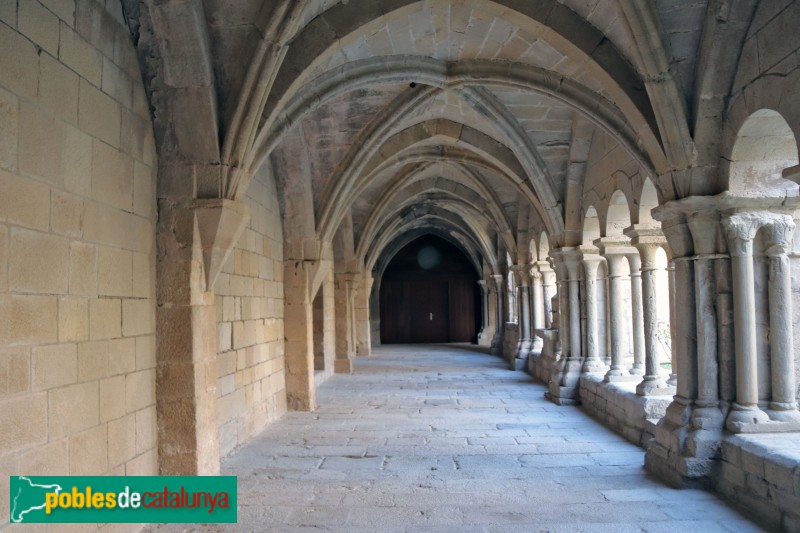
{"x":761,"y":473}
{"x":619,"y":407}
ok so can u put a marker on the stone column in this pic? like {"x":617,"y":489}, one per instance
{"x":672,"y":380}
{"x":548,"y":291}
{"x":591,"y":261}
{"x":572,"y":369}
{"x":637,"y":322}
{"x":783,"y":406}
{"x":363,"y":284}
{"x":344,"y":289}
{"x":525,"y":341}
{"x":615,"y":251}
{"x":537,"y":307}
{"x":483,"y":339}
{"x":741,"y":229}
{"x":194,"y":240}
{"x":648,"y":241}
{"x":497,"y":340}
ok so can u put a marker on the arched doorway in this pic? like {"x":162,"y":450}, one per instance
{"x":429,"y":293}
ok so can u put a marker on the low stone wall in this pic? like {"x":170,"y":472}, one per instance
{"x":620,"y":409}
{"x":761,"y":474}
{"x":510,"y":340}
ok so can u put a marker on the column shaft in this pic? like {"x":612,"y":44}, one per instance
{"x":637,"y":327}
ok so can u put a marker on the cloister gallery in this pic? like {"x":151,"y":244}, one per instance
{"x":209,"y":207}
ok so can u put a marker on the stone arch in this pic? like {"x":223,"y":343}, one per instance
{"x":591,"y":226}
{"x":648,"y":199}
{"x":618,"y":215}
{"x":764,"y":147}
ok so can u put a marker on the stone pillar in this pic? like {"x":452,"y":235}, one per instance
{"x":483,"y":335}
{"x":637,"y":322}
{"x":647,"y":241}
{"x":672,"y":380}
{"x":615,"y":251}
{"x":548,"y":291}
{"x":497,"y":340}
{"x":592,"y":363}
{"x":194,"y":240}
{"x":525,"y":341}
{"x":363,"y":284}
{"x":572,"y":369}
{"x":741,"y":229}
{"x":537,"y":307}
{"x":344,"y":293}
{"x":783,"y":406}
{"x":298,"y":278}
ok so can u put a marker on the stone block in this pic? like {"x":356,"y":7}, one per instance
{"x":48,"y":460}
{"x":138,"y":317}
{"x":105,"y":319}
{"x":83,"y":269}
{"x":99,"y":114}
{"x":89,"y":452}
{"x":40,"y":133}
{"x":33,"y":256}
{"x":15,"y":371}
{"x":145,"y":352}
{"x":73,"y":409}
{"x":753,"y":463}
{"x":73,"y":319}
{"x":93,"y":360}
{"x":39,"y":25}
{"x":144,"y":199}
{"x":116,"y":83}
{"x":96,"y":25}
{"x":114,"y":272}
{"x":121,"y":440}
{"x":8,"y":14}
{"x":143,"y":286}
{"x":112,"y":176}
{"x":32,"y":319}
{"x":66,"y":214}
{"x":19,"y":71}
{"x":110,"y":226}
{"x":112,"y":398}
{"x":143,"y":465}
{"x":122,"y":356}
{"x":64,"y":9}
{"x":24,"y":201}
{"x":58,"y":87}
{"x":80,"y":56}
{"x":146,"y":430}
{"x":9,"y":130}
{"x":76,"y":161}
{"x":54,"y":366}
{"x":24,"y":422}
{"x":140,"y":390}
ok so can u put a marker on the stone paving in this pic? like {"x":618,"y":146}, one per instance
{"x":445,"y":438}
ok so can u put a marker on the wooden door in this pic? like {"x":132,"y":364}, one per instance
{"x":429,"y":309}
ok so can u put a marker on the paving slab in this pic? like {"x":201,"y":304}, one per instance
{"x":446,"y":439}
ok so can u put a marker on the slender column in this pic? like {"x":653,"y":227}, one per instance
{"x":537,"y":307}
{"x":484,"y":306}
{"x":652,"y":382}
{"x":592,"y":362}
{"x":741,"y":229}
{"x":548,"y":290}
{"x":637,"y":329}
{"x":345,"y":349}
{"x":524,"y":347}
{"x":497,"y":340}
{"x":562,"y":291}
{"x":784,"y":403}
{"x":573,"y":271}
{"x":672,"y":380}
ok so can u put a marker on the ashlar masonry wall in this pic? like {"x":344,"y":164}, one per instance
{"x":251,"y":384}
{"x":77,"y":216}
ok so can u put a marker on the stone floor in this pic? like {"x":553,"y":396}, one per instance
{"x":444,"y":438}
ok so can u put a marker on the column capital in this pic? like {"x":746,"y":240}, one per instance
{"x":740,"y":229}
{"x":781,"y":231}
{"x":498,"y":280}
{"x":482,"y":284}
{"x":523,"y":275}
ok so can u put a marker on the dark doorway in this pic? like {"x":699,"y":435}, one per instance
{"x":428,"y":294}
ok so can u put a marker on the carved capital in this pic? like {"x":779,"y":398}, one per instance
{"x":781,"y":232}
{"x":740,"y":230}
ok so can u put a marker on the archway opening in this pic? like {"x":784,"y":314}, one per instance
{"x":429,"y":294}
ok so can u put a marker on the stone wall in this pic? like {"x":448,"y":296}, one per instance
{"x":251,"y":385}
{"x":77,"y":215}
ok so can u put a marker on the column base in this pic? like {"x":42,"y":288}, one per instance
{"x":636,"y":371}
{"x":746,"y":419}
{"x":654,"y":387}
{"x":595,"y":366}
{"x":343,"y":366}
{"x":617,"y":375}
{"x":560,"y":395}
{"x":524,"y":348}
